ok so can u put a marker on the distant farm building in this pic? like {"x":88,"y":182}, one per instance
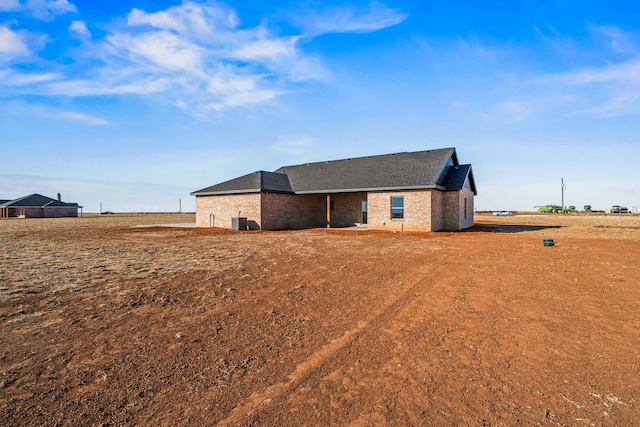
{"x":419,"y":191}
{"x":37,"y":206}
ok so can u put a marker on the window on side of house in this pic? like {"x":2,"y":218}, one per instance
{"x":465,"y":208}
{"x":397,"y":207}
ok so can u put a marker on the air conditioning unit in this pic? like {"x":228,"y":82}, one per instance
{"x":239,"y":223}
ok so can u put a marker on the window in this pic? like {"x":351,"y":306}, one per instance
{"x":364,"y":212}
{"x":397,"y":207}
{"x":465,"y":208}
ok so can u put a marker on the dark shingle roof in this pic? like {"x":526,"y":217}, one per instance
{"x":418,"y":170}
{"x":456,"y":177}
{"x":36,"y":201}
{"x":255,"y":182}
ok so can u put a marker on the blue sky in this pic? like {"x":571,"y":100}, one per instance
{"x":134,"y":104}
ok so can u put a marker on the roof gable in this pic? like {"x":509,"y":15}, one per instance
{"x":459,"y":177}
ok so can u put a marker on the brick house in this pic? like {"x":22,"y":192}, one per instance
{"x":416,"y":191}
{"x":37,"y":206}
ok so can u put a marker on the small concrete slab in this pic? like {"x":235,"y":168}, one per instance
{"x":177,"y":225}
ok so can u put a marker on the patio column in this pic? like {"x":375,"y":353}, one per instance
{"x":328,"y":211}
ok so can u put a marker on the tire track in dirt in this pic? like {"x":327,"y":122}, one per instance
{"x":319,"y":360}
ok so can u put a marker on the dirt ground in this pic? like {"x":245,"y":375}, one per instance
{"x":104,"y":324}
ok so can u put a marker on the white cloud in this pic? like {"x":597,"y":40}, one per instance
{"x":610,"y":90}
{"x":10,"y":78}
{"x":60,"y":6}
{"x":9,"y":5}
{"x":82,"y":118}
{"x":162,"y":20}
{"x":11,"y":44}
{"x":622,"y":72}
{"x":620,"y":104}
{"x":157,"y":48}
{"x":55,"y":113}
{"x":273,"y":49}
{"x":352,"y":20}
{"x":79,"y":29}
{"x":616,"y":40}
{"x":187,"y":19}
{"x":40,"y":9}
{"x":196,"y":56}
{"x":48,"y":9}
{"x":102,"y":86}
{"x":242,"y":99}
{"x":282,"y":56}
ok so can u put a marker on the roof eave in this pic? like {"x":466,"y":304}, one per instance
{"x":221,"y":193}
{"x":227,"y":193}
{"x":372,"y":189}
{"x":472,"y":181}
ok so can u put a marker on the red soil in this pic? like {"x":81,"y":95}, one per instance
{"x":104,"y":324}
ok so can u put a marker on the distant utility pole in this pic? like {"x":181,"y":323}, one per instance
{"x":100,"y":207}
{"x":562,"y":187}
{"x":180,"y":205}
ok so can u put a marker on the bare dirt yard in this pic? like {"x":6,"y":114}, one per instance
{"x":105,"y":324}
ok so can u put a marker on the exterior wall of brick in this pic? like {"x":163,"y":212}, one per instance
{"x":437,"y":210}
{"x":347,"y":209}
{"x":60,"y":212}
{"x":33,"y":213}
{"x":458,"y":213}
{"x":225,"y":207}
{"x":417,"y":211}
{"x":286,"y":211}
{"x":424,"y":210}
{"x":467,"y":209}
{"x":40,"y":212}
{"x":279,"y":211}
{"x":451,"y":211}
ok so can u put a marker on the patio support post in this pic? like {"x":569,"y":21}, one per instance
{"x":328,"y":211}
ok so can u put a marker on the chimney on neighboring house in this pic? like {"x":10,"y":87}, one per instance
{"x":59,"y":197}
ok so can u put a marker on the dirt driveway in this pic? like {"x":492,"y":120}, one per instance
{"x":105,"y":324}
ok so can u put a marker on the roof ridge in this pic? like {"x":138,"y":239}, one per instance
{"x":365,"y":157}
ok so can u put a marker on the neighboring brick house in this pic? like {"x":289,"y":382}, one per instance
{"x":417,"y":191}
{"x":37,"y":206}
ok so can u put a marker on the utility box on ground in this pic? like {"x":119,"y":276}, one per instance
{"x":238,"y":223}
